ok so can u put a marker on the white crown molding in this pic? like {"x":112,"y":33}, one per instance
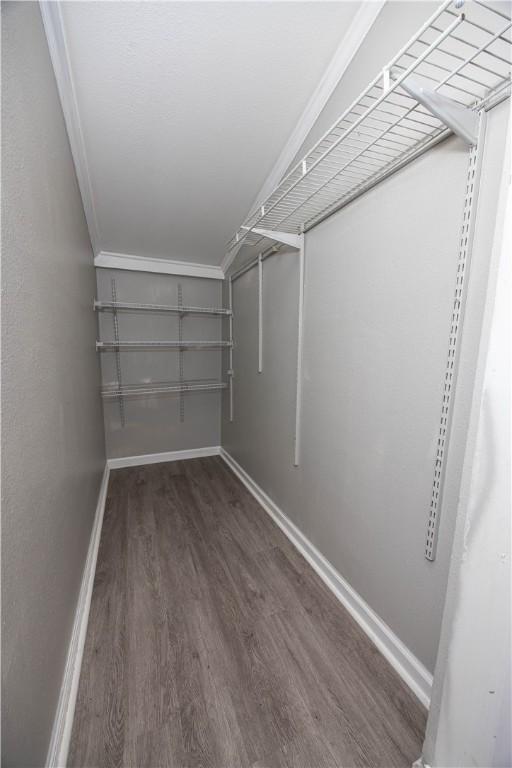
{"x":53,"y":22}
{"x":345,"y":52}
{"x":156,"y":458}
{"x":410,"y":669}
{"x":63,"y":722}
{"x":109,"y":260}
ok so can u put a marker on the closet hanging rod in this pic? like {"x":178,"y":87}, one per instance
{"x":105,"y":346}
{"x":133,"y":391}
{"x":386,"y":127}
{"x":246,"y":267}
{"x":103,"y":306}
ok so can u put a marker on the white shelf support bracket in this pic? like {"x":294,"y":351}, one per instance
{"x":300,"y":342}
{"x":286,"y":238}
{"x":260,"y":313}
{"x":463,"y":121}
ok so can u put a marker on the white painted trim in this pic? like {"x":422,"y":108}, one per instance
{"x":111,"y":260}
{"x":61,"y":733}
{"x":156,"y":458}
{"x":345,"y":52}
{"x":54,"y":28}
{"x":410,"y":669}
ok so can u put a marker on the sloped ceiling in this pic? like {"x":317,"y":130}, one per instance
{"x":184,"y":108}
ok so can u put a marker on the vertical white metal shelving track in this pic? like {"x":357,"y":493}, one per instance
{"x":442,"y":81}
{"x":459,"y":300}
{"x":181,"y":361}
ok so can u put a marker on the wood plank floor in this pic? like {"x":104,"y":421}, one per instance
{"x":211,"y":641}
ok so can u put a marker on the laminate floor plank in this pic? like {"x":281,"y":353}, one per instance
{"x":213,"y":644}
{"x":340,"y":648}
{"x":146,"y":619}
{"x":347,"y":646}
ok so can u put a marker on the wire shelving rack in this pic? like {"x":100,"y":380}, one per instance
{"x":160,"y":388}
{"x":119,"y":390}
{"x":106,"y":346}
{"x":463,"y":56}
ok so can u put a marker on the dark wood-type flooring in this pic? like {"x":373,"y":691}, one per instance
{"x":211,"y":641}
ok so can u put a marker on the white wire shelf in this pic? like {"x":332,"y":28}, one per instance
{"x":461,"y":56}
{"x":107,"y":346}
{"x":105,"y":306}
{"x":143,"y":390}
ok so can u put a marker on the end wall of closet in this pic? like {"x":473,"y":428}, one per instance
{"x":169,"y":421}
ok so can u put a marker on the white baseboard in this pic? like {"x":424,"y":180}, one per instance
{"x":410,"y":669}
{"x":156,"y":458}
{"x":61,"y":733}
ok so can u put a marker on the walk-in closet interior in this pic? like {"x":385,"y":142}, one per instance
{"x":256,"y":384}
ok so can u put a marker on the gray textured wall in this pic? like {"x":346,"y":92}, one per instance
{"x":380,"y":277}
{"x":152,"y":423}
{"x":53,"y":446}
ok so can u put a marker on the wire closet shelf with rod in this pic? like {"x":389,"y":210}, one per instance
{"x":442,"y":82}
{"x":455,"y":65}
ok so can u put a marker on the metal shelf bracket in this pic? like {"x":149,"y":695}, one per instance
{"x":462,"y":120}
{"x":286,"y":238}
